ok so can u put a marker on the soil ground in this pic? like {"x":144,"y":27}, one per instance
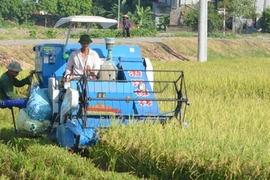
{"x":178,"y":49}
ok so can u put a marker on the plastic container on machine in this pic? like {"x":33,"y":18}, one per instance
{"x":25,"y":123}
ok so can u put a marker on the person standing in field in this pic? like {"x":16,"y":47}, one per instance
{"x":126,"y":26}
{"x":7,"y":82}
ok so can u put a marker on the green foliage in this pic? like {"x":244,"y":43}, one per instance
{"x":51,"y":34}
{"x":103,"y":33}
{"x":68,"y":7}
{"x":143,"y":32}
{"x":97,"y":9}
{"x":266,"y":20}
{"x":214,"y":19}
{"x":1,"y":21}
{"x":26,"y":11}
{"x":33,"y":33}
{"x":191,"y":17}
{"x":48,"y":6}
{"x":30,"y":160}
{"x":165,"y":19}
{"x":113,"y":13}
{"x":126,"y":5}
{"x":10,"y":9}
{"x":74,"y":7}
{"x":85,"y":7}
{"x":143,"y":17}
{"x":241,"y":9}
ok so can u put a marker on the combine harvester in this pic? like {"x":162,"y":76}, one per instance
{"x":127,"y":89}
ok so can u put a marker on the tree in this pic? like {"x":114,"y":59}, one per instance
{"x":10,"y":9}
{"x":239,"y":9}
{"x":113,"y":13}
{"x":214,"y":19}
{"x":48,"y":6}
{"x":68,"y":7}
{"x":266,"y":20}
{"x":97,"y":9}
{"x":108,"y":3}
{"x":85,"y":7}
{"x":144,"y":17}
{"x":27,"y":9}
{"x":191,"y":16}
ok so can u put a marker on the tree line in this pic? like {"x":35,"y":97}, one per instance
{"x":140,"y":12}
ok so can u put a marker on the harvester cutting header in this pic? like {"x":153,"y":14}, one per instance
{"x":125,"y":89}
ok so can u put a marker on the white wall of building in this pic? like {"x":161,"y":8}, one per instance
{"x":261,"y":5}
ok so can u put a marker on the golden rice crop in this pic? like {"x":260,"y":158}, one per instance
{"x":228,"y":132}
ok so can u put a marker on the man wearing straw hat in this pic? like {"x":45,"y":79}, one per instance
{"x":126,"y":26}
{"x":7,"y":82}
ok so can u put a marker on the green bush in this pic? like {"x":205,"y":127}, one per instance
{"x":143,"y":32}
{"x":266,"y":21}
{"x":51,"y":34}
{"x":32,"y":33}
{"x":214,"y":20}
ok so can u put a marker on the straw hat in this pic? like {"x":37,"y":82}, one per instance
{"x":125,"y":16}
{"x":14,"y":66}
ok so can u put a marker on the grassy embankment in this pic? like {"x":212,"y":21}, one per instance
{"x":227,"y":137}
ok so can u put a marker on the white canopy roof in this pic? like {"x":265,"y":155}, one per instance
{"x":102,"y":21}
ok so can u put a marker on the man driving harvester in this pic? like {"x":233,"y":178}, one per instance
{"x":83,"y":60}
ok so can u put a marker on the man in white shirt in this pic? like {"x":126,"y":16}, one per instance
{"x":83,"y":60}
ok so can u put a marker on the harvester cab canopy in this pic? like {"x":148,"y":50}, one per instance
{"x":126,"y":90}
{"x":102,"y":21}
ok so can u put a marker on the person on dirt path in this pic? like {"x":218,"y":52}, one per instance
{"x":7,"y":82}
{"x":126,"y":26}
{"x":83,"y":60}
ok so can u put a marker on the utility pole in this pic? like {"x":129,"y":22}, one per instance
{"x":264,"y":5}
{"x":224,"y":17}
{"x":202,"y":36}
{"x":118,"y":18}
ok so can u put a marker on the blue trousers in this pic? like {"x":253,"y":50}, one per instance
{"x":7,"y":103}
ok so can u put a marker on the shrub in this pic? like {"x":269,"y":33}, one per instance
{"x":51,"y":34}
{"x":266,"y":21}
{"x":32,"y":33}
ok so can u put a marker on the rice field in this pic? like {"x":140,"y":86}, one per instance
{"x":226,"y":134}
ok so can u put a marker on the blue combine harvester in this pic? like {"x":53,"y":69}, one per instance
{"x":127,"y":89}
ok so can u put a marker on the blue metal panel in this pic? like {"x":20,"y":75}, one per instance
{"x":52,"y":62}
{"x":66,"y":134}
{"x":142,"y":107}
{"x":109,"y":90}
